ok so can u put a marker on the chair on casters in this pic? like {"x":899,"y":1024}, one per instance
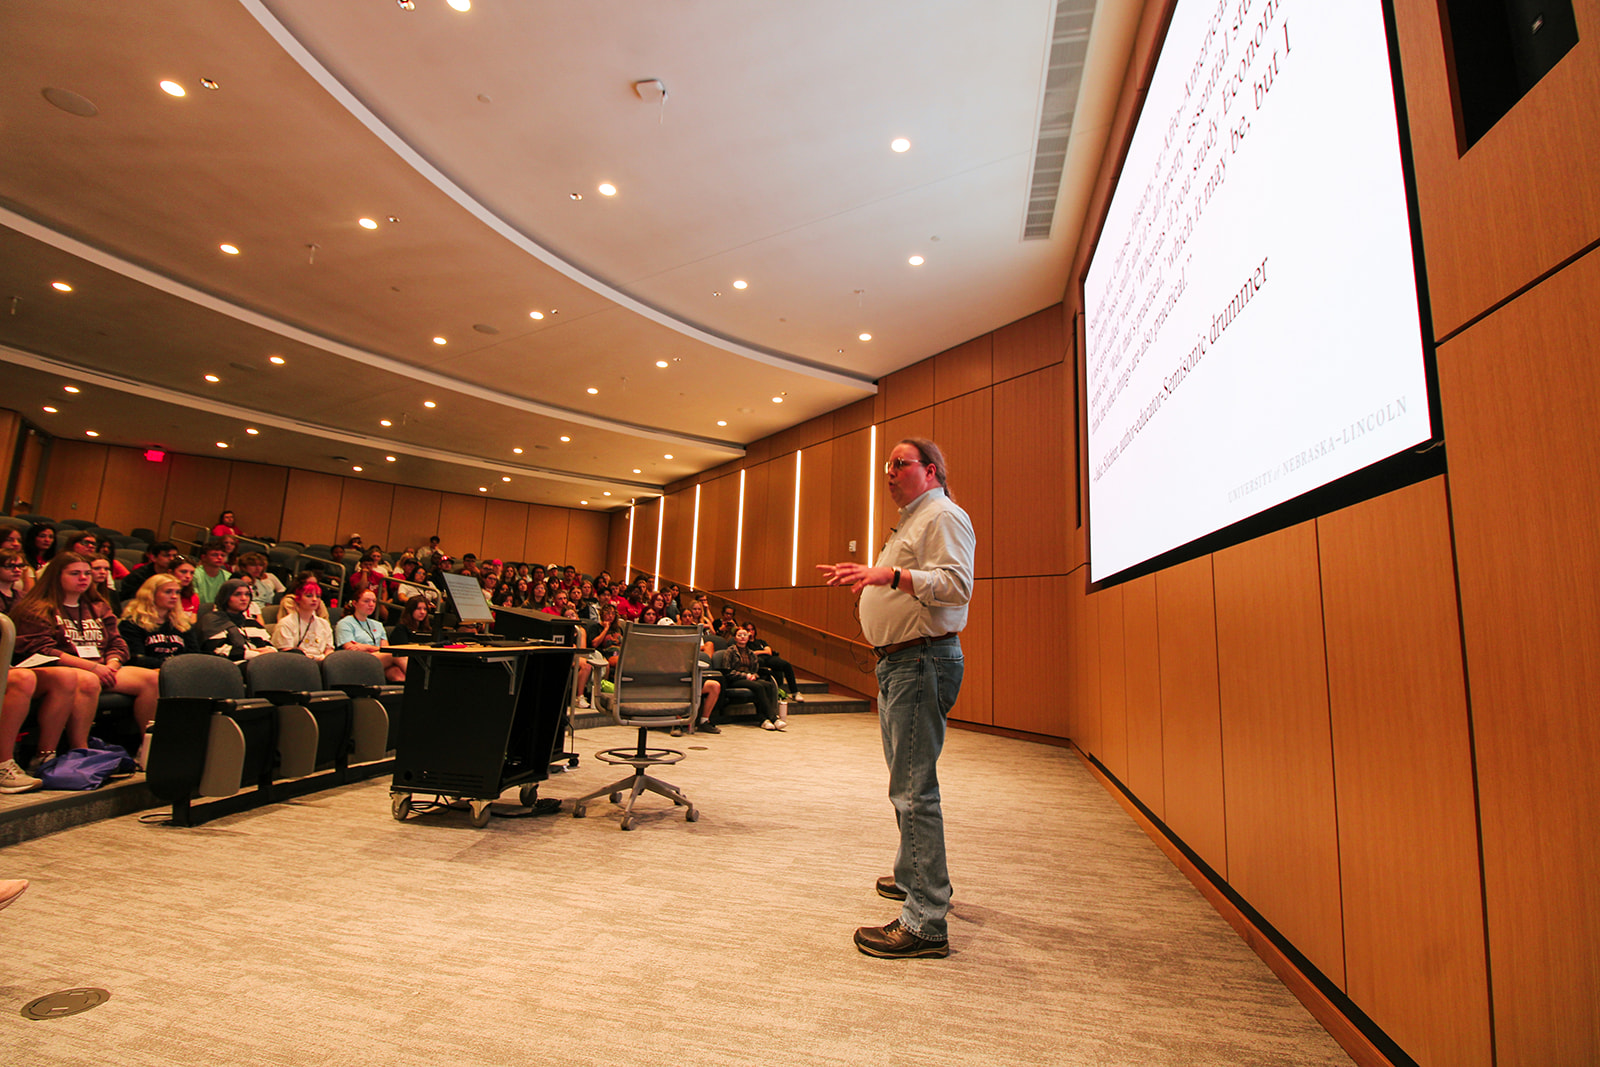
{"x":657,"y":685}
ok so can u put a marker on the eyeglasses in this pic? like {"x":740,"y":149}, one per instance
{"x":895,"y":464}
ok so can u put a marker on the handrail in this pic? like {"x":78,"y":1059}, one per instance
{"x":343,"y":569}
{"x":782,"y":619}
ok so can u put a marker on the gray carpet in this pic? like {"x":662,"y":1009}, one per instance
{"x":323,"y":932}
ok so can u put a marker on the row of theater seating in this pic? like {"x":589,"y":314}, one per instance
{"x":268,"y":730}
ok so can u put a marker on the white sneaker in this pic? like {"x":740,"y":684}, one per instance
{"x":13,"y":779}
{"x":768,"y":724}
{"x":783,"y":724}
{"x":581,"y":702}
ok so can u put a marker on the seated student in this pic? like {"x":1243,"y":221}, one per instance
{"x":63,"y":616}
{"x":607,"y":638}
{"x":159,"y":559}
{"x":226,"y":526}
{"x":39,"y":544}
{"x":66,"y":701}
{"x":20,"y":686}
{"x":231,"y":627}
{"x":155,"y":626}
{"x":108,"y":552}
{"x":773,"y":665}
{"x":14,"y":585}
{"x":416,"y":623}
{"x":303,"y":620}
{"x":426,"y":553}
{"x":183,"y":569}
{"x":100,"y":568}
{"x":360,"y":631}
{"x":11,"y":563}
{"x":212,"y":572}
{"x":83,"y":542}
{"x":744,"y":670}
{"x":265,"y":588}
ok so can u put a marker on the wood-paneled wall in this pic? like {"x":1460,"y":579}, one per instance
{"x":119,"y":488}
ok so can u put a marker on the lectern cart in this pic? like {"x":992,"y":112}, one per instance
{"x":478,"y":720}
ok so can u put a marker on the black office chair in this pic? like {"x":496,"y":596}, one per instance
{"x":211,"y":740}
{"x":657,"y":685}
{"x":375,"y":705}
{"x":291,"y":680}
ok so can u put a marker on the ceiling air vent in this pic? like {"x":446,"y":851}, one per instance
{"x":1069,"y":43}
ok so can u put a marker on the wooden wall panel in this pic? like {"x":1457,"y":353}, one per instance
{"x":719,"y":520}
{"x":505,"y":531}
{"x":777,"y":539}
{"x":963,"y":369}
{"x":134,"y":489}
{"x":32,"y":446}
{"x":1191,"y":712}
{"x":677,"y":533}
{"x":853,"y":417}
{"x":255,"y":496}
{"x":587,"y":535}
{"x":1142,"y":666}
{"x":1521,"y":200}
{"x":643,"y":534}
{"x":1520,"y":391}
{"x":964,"y":429}
{"x":1283,"y":853}
{"x":907,"y":390}
{"x":1408,"y":846}
{"x":415,"y":518}
{"x":1029,"y":477}
{"x":1088,"y":663}
{"x":1113,"y":681}
{"x":976,"y":703}
{"x":196,"y":489}
{"x":760,"y":561}
{"x":364,"y":508}
{"x":1029,"y":667}
{"x":311,"y":508}
{"x":847,"y":519}
{"x":73,"y":480}
{"x":461,"y":524}
{"x":11,"y":431}
{"x":816,"y":515}
{"x":1028,"y":344}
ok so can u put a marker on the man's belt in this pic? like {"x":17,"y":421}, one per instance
{"x":882,"y":651}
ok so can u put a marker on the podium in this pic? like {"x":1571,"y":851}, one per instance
{"x":478,"y":720}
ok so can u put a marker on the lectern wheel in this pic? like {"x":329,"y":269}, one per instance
{"x":400,"y":806}
{"x":579,"y":811}
{"x":692,"y":815}
{"x":527,"y":795}
{"x":627,"y":822}
{"x":616,"y":798}
{"x":572,"y":761}
{"x":480,"y":813}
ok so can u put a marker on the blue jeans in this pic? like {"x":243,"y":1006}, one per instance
{"x":916,"y":688}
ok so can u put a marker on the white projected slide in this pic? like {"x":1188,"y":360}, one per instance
{"x":1251,"y":309}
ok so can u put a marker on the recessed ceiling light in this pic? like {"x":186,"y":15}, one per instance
{"x":213,"y":379}
{"x":232,"y":250}
{"x":866,"y":337}
{"x":275,"y":359}
{"x":210,"y":83}
{"x":172,"y":88}
{"x":607,"y":189}
{"x":722,"y":422}
{"x":252,"y":431}
{"x":72,"y":388}
{"x":606,"y":494}
{"x":222,"y":444}
{"x":716,"y":294}
{"x":505,"y":477}
{"x":61,"y":286}
{"x":667,"y":456}
{"x":900,"y":144}
{"x":575,"y":196}
{"x":915,"y":261}
{"x":585,"y":503}
{"x":636,"y":470}
{"x":518,"y":451}
{"x":429,"y":404}
{"x":663,"y":364}
{"x":357,"y":469}
{"x":368,"y":224}
{"x":483,"y":488}
{"x":460,"y":5}
{"x":388,"y":459}
{"x":52,"y":411}
{"x":385,"y":422}
{"x":566,"y":438}
{"x":593,"y":391}
{"x":777,"y":400}
{"x":741,"y":284}
{"x":91,"y":433}
{"x":535,"y":314}
{"x":439,"y":341}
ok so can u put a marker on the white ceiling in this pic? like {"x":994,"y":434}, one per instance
{"x":769,"y":161}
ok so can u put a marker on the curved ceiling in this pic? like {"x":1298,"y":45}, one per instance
{"x":477,"y":142}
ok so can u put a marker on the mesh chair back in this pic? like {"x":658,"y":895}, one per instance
{"x":281,"y":672}
{"x":658,"y":675}
{"x":201,"y":676}
{"x":351,"y":667}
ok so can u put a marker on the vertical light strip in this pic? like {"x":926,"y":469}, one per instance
{"x":661,"y":518}
{"x":871,"y":555}
{"x":627,"y":568}
{"x":694,"y":545}
{"x":794,"y":555}
{"x":738,"y":540}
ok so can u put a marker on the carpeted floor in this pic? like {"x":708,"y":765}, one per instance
{"x":324,"y":932}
